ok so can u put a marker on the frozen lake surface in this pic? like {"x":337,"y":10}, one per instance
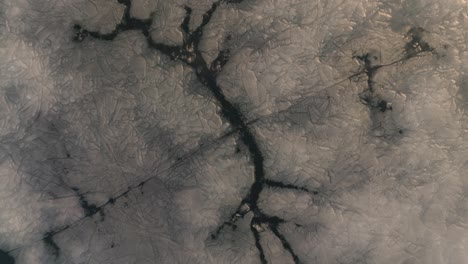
{"x":233,"y":131}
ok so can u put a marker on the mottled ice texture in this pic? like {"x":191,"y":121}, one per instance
{"x":115,"y":150}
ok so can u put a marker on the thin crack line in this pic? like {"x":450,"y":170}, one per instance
{"x":96,"y":209}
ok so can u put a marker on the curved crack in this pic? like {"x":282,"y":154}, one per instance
{"x":190,"y":54}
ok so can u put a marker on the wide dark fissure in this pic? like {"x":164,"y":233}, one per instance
{"x":190,"y":54}
{"x":5,"y":258}
{"x":258,"y":244}
{"x":232,"y":131}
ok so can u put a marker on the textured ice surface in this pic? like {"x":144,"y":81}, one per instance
{"x":147,"y":131}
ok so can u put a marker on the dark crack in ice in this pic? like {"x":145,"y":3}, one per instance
{"x":190,"y":54}
{"x":206,"y":73}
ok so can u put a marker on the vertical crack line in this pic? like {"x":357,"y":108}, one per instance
{"x":206,"y":19}
{"x":185,"y":23}
{"x":190,"y":54}
{"x":285,"y":243}
{"x":258,"y":243}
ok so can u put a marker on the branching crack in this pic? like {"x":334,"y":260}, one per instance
{"x":190,"y":54}
{"x":5,"y":258}
{"x":414,"y":48}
